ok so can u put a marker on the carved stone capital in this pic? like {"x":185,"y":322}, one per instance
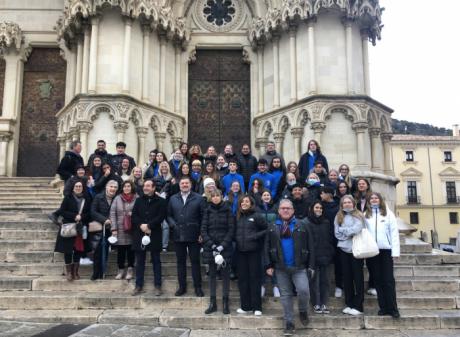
{"x":374,"y":132}
{"x":279,"y":136}
{"x":85,"y":126}
{"x":360,"y":126}
{"x":297,"y":132}
{"x":10,"y":35}
{"x":261,"y":142}
{"x":61,"y":140}
{"x":318,"y":126}
{"x":120,"y":126}
{"x":386,"y":136}
{"x":142,"y":131}
{"x":160,"y":136}
{"x":5,"y":137}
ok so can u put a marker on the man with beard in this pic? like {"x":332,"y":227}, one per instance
{"x":101,"y":152}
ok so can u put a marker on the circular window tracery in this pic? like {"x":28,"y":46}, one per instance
{"x":219,"y":15}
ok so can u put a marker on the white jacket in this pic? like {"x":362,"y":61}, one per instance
{"x":384,"y":230}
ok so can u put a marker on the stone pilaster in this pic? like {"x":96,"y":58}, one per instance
{"x":92,"y":74}
{"x":279,"y":141}
{"x":276,"y":72}
{"x":365,"y":47}
{"x":177,"y":73}
{"x":260,"y":82}
{"x":79,"y":67}
{"x":312,"y":56}
{"x":297,"y":135}
{"x":4,"y":141}
{"x":145,"y":61}
{"x":261,"y":143}
{"x":360,"y":130}
{"x":318,"y":128}
{"x":175,"y":142}
{"x":85,"y":59}
{"x":120,"y":128}
{"x":293,"y":61}
{"x":162,"y":70}
{"x":376,"y":147}
{"x":141,"y":135}
{"x":83,"y":128}
{"x":348,"y":24}
{"x":387,"y":164}
{"x":160,"y":140}
{"x":126,"y":55}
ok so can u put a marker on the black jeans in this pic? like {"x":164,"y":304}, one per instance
{"x":250,"y":280}
{"x":73,"y":257}
{"x":372,"y":282}
{"x":181,"y":255}
{"x":382,"y":267}
{"x":225,"y":273}
{"x":338,"y":274}
{"x":353,"y":280}
{"x":319,"y":289}
{"x":140,"y":268}
{"x":123,"y":252}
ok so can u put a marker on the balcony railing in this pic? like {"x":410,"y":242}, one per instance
{"x":453,"y":200}
{"x":413,"y":199}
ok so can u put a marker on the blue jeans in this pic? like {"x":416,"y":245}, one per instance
{"x":286,"y":279}
{"x":140,"y":268}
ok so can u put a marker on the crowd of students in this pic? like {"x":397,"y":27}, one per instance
{"x":256,"y":220}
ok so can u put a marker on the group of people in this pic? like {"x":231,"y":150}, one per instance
{"x":256,"y":220}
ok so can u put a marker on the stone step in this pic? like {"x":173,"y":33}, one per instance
{"x":33,"y":192}
{"x":31,"y":202}
{"x":41,"y":225}
{"x":270,"y":320}
{"x":8,"y":185}
{"x":26,"y":245}
{"x":14,"y":234}
{"x":32,"y":208}
{"x":31,"y":198}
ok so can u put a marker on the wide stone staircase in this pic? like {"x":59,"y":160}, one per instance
{"x":33,"y":289}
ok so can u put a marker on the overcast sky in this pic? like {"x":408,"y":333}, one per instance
{"x":415,"y":68}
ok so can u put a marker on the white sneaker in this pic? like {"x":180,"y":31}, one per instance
{"x":346,"y":310}
{"x":262,"y":291}
{"x":85,"y":261}
{"x":257,"y":313}
{"x":338,"y":292}
{"x":354,"y":312}
{"x":372,"y":291}
{"x":241,"y":311}
{"x":276,"y":292}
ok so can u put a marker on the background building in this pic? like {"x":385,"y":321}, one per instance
{"x":428,"y":195}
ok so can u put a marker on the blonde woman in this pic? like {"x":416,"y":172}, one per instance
{"x":381,"y":223}
{"x":348,"y":222}
{"x":137,"y":180}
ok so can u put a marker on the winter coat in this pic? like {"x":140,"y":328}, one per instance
{"x":99,"y":184}
{"x":344,"y":232}
{"x":268,"y":156}
{"x":306,"y":163}
{"x":163,"y":186}
{"x":247,"y":166}
{"x":69,"y":210}
{"x":100,"y":208}
{"x":322,"y":240}
{"x":217,"y":229}
{"x":313,"y":194}
{"x":68,"y":186}
{"x":150,"y":210}
{"x":270,"y":213}
{"x":300,"y":207}
{"x":268,"y":180}
{"x":384,"y":230}
{"x":116,"y":160}
{"x":304,"y":256}
{"x":68,"y":165}
{"x":250,"y":231}
{"x":185,"y":219}
{"x":117,"y":215}
{"x":105,"y":156}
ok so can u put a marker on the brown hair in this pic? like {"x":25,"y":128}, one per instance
{"x":341,"y":214}
{"x":382,"y":205}
{"x":252,"y":208}
{"x":131,"y":184}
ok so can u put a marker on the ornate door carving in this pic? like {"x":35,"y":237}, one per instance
{"x":42,"y":97}
{"x":219,"y":99}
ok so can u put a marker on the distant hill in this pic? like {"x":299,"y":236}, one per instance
{"x":412,"y":128}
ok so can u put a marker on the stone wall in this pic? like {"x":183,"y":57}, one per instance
{"x":43,"y":96}
{"x":2,"y":82}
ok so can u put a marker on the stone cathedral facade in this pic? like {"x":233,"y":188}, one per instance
{"x":156,"y":72}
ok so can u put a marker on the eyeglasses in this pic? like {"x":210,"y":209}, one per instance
{"x":285,"y":208}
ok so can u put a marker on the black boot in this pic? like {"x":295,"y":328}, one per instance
{"x":225,"y":309}
{"x":212,"y":306}
{"x":96,"y":270}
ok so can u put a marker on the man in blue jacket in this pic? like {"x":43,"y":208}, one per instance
{"x":267,"y":178}
{"x":232,"y":176}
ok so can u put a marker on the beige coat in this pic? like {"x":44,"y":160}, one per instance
{"x":116,"y":217}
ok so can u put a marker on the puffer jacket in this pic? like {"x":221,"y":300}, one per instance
{"x":251,"y":228}
{"x":324,"y":250}
{"x":384,"y":230}
{"x":217,"y":228}
{"x":345,"y":231}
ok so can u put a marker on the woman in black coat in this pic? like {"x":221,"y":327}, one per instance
{"x":324,"y":252}
{"x":251,"y":228}
{"x":74,"y":247}
{"x":217,"y":229}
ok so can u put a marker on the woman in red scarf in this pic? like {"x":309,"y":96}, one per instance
{"x":120,"y":217}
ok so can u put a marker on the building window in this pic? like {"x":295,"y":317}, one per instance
{"x":451,"y":192}
{"x":412,"y":196}
{"x":453,"y":218}
{"x":413,"y":218}
{"x":219,"y":12}
{"x":447,"y":156}
{"x":409,"y":155}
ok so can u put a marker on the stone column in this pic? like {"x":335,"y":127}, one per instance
{"x":12,"y":90}
{"x":160,"y":139}
{"x":126,"y":55}
{"x":92,"y":77}
{"x":62,"y":145}
{"x":79,"y":66}
{"x":297,"y":134}
{"x":365,"y":47}
{"x":70,"y":56}
{"x":387,"y":164}
{"x":276,"y":72}
{"x":162,"y":70}
{"x":312,"y":55}
{"x":377,"y":152}
{"x":360,"y":129}
{"x":141,"y":135}
{"x":4,"y":141}
{"x":120,"y":128}
{"x":279,"y":141}
{"x":349,"y":53}
{"x":73,"y":134}
{"x":86,"y":61}
{"x":83,"y":128}
{"x":318,"y":128}
{"x":261,"y":143}
{"x":177,"y":83}
{"x":145,"y":62}
{"x":175,"y":142}
{"x":293,"y":61}
{"x":260,"y":82}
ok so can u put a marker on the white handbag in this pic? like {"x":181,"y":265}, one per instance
{"x":364,"y":245}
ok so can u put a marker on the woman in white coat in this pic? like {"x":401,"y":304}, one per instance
{"x":381,"y":222}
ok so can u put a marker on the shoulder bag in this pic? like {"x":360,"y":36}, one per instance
{"x":69,"y":230}
{"x":364,"y":245}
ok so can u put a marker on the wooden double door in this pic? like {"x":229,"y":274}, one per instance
{"x":219,"y":99}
